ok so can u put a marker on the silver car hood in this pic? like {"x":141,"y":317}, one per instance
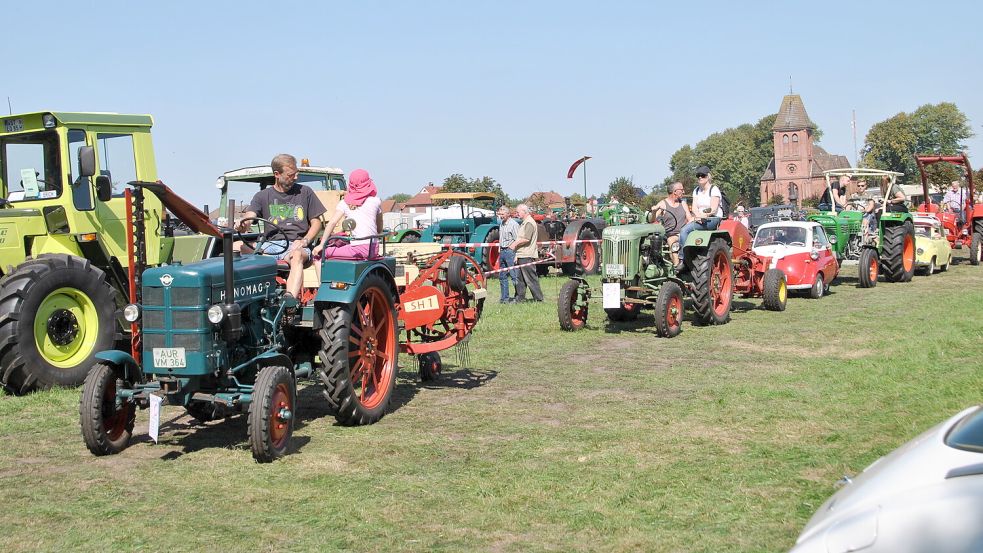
{"x":922,"y":462}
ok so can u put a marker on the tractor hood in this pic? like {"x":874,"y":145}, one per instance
{"x":255,"y":277}
{"x":638,"y":230}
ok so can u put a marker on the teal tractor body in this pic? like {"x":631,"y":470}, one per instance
{"x":637,"y":272}
{"x":220,"y":337}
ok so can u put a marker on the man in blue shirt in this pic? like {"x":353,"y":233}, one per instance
{"x":508,"y":230}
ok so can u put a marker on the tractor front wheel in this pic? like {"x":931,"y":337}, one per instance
{"x":58,"y":311}
{"x":775,"y":292}
{"x":271,"y":413}
{"x":869,"y":268}
{"x":572,"y":306}
{"x":976,"y":246}
{"x":359,"y":354}
{"x":430,"y":366}
{"x":669,"y":310}
{"x":107,"y":424}
{"x":898,"y":252}
{"x":713,"y":282}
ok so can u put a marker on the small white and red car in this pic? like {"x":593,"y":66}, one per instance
{"x":802,"y":251}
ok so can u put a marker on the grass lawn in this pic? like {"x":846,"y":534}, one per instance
{"x":722,"y":439}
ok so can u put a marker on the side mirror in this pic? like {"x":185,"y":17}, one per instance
{"x":87,"y":161}
{"x":104,"y":188}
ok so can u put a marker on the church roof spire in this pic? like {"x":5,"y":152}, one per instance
{"x":792,"y":115}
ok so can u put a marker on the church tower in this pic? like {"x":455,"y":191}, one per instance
{"x":793,"y":151}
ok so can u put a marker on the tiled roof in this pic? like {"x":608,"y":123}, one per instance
{"x":792,"y":115}
{"x":388,"y":205}
{"x":423,"y":198}
{"x":824,"y":161}
{"x":550,"y":198}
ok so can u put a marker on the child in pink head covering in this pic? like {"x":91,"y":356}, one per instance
{"x":361,"y":204}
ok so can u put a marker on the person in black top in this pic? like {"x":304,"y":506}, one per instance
{"x":838,"y":201}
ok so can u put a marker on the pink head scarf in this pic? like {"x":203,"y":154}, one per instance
{"x":360,"y":187}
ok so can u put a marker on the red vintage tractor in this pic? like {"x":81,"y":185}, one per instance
{"x":752,"y":277}
{"x":965,"y":228}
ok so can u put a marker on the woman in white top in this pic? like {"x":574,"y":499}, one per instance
{"x":706,"y":209}
{"x":361,"y":204}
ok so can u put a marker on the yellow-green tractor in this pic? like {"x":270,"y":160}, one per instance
{"x":63,"y":254}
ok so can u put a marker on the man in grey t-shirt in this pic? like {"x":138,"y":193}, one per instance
{"x":293,"y":208}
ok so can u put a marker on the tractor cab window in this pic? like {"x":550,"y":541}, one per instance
{"x":337,"y":182}
{"x":117,"y":159}
{"x":81,"y":186}
{"x":31,"y":166}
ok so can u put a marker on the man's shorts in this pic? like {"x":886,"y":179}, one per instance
{"x":272,"y":246}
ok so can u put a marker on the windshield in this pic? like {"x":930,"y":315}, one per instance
{"x":31,"y":166}
{"x":780,"y":235}
{"x":967,"y":434}
{"x":243,"y":190}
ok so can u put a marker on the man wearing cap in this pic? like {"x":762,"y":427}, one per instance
{"x":707,"y":211}
{"x":293,"y":208}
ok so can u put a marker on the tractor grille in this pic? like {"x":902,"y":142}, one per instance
{"x":174,"y":317}
{"x":620,"y":252}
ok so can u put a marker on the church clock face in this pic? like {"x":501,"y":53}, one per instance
{"x":791,"y":168}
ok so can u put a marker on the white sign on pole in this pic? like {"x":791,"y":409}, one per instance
{"x":155,"y":403}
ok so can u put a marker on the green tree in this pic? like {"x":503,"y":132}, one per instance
{"x":931,"y":129}
{"x":623,"y":189}
{"x":400,"y":197}
{"x":459,"y":183}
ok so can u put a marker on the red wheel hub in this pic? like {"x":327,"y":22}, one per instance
{"x":674,"y":312}
{"x":372,"y":357}
{"x":588,"y":257}
{"x":720,"y":283}
{"x":113,"y":419}
{"x":280,"y":412}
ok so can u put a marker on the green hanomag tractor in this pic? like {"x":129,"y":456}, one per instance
{"x":637,"y":272}
{"x":63,"y":240}
{"x":886,"y":246}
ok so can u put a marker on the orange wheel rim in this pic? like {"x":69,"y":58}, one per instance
{"x":673,"y":312}
{"x":113,"y":419}
{"x":371,"y":352}
{"x":872,"y":270}
{"x":720,"y":285}
{"x":908,"y":255}
{"x":280,"y":407}
{"x":588,"y":257}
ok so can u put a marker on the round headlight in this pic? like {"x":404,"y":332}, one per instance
{"x":131,"y":313}
{"x":48,"y":120}
{"x":215,"y":314}
{"x":814,"y":255}
{"x":920,"y":251}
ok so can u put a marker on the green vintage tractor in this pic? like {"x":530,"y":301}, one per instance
{"x":62,"y":240}
{"x":637,"y":272}
{"x":886,"y":246}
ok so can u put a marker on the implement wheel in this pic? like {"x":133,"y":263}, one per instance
{"x":430,"y":366}
{"x":669,"y":310}
{"x":359,"y":354}
{"x":898,"y":253}
{"x":106,"y":425}
{"x":572,"y":305}
{"x":775,"y":290}
{"x":58,"y":311}
{"x":869,"y":268}
{"x":713,"y":282}
{"x":271,"y":413}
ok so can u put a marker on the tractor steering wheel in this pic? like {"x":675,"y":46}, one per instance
{"x":263,"y":238}
{"x":664,"y":218}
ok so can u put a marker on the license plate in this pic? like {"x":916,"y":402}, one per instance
{"x":611,"y":295}
{"x":614,"y":269}
{"x":13,"y":125}
{"x":169,"y":358}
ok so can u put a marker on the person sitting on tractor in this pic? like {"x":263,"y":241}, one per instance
{"x":838,"y":200}
{"x":293,"y":208}
{"x":895,"y":204}
{"x":675,"y":205}
{"x":362,"y":205}
{"x":707,"y":211}
{"x":954,"y":201}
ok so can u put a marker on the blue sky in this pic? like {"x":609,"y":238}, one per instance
{"x":416,"y":91}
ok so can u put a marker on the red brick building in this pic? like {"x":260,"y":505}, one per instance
{"x":796,"y":171}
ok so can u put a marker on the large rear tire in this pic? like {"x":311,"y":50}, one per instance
{"x":271,"y":413}
{"x":489,"y":256}
{"x":359,"y":354}
{"x":58,"y":311}
{"x":572,"y":306}
{"x":976,"y":245}
{"x":869,"y":268}
{"x":106,"y":427}
{"x":713,"y":281}
{"x":898,"y":252}
{"x":775,"y":290}
{"x":669,"y":310}
{"x":588,"y":261}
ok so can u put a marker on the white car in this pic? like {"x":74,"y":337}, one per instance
{"x":926,"y":496}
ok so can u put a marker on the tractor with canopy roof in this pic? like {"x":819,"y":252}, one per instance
{"x":961,"y":228}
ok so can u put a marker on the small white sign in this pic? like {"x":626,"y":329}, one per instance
{"x":29,"y":180}
{"x":428,"y":303}
{"x":611,"y":295}
{"x":155,"y":403}
{"x":614,"y":269}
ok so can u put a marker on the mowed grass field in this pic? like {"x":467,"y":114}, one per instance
{"x":722,"y":439}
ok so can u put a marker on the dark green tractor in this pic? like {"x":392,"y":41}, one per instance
{"x":637,"y":273}
{"x":885,"y":244}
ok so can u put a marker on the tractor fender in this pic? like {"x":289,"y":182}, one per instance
{"x":703,"y":238}
{"x":340,"y":279}
{"x":568,"y":249}
{"x":131,"y":369}
{"x":272,"y":358}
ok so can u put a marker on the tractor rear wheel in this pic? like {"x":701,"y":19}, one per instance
{"x":587,"y":262}
{"x":106,"y":426}
{"x":775,"y":290}
{"x":359,"y":354}
{"x":271,"y":413}
{"x":430,"y":366}
{"x":669,"y":310}
{"x":489,"y":259}
{"x":976,"y":245}
{"x":898,"y":252}
{"x":713,"y":282}
{"x":58,"y":311}
{"x":572,"y":306}
{"x":869,"y":268}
